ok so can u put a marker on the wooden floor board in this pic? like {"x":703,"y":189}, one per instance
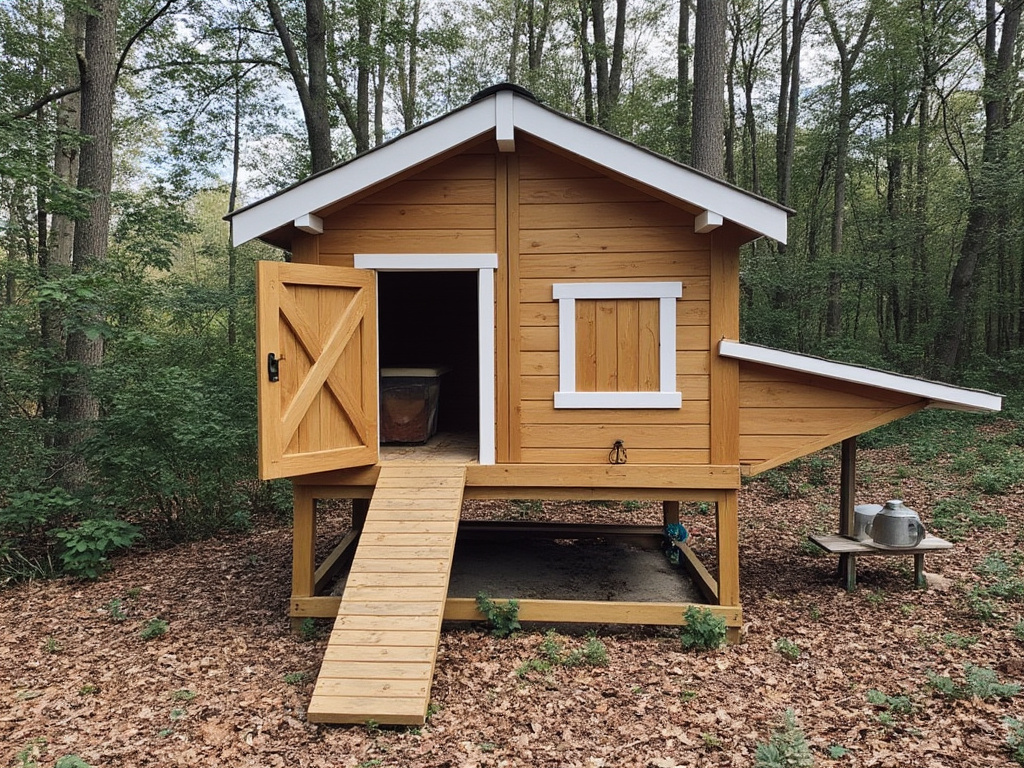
{"x":380,"y":657}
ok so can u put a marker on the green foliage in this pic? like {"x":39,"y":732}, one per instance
{"x":978,"y":682}
{"x":703,"y":630}
{"x":87,"y":547}
{"x":553,"y":653}
{"x":786,"y":748}
{"x":295,"y":678}
{"x":836,"y":751}
{"x":954,"y":640}
{"x":503,"y":618}
{"x":898,"y":705}
{"x":308,"y":630}
{"x":184,"y":694}
{"x":787,"y":648}
{"x":1015,"y":739}
{"x":115,"y":611}
{"x":954,"y":518}
{"x":71,"y":761}
{"x":153,"y":629}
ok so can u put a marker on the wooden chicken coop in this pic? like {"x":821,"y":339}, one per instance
{"x":578,"y":299}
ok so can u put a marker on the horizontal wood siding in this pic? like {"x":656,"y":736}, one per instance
{"x":447,"y":208}
{"x":786,"y":414}
{"x":576,"y":225}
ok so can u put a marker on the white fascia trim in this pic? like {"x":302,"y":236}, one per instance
{"x":634,"y":163}
{"x":943,"y":394}
{"x":434,"y":262}
{"x":673,"y":290}
{"x":504,"y":121}
{"x":364,"y":171}
{"x":618,"y":400}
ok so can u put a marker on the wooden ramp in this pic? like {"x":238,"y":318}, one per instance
{"x":380,"y":658}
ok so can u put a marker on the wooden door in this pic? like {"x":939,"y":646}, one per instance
{"x":317,"y":326}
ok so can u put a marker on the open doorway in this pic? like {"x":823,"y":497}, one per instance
{"x":436,"y":311}
{"x":427,"y":322}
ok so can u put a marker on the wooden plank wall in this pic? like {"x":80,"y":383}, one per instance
{"x":446,"y":208}
{"x":787,"y":414}
{"x":578,"y":225}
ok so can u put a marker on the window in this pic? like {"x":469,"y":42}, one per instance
{"x":617,"y":345}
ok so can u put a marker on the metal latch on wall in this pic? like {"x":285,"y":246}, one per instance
{"x":274,"y":367}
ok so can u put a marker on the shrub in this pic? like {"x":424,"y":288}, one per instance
{"x":703,"y":630}
{"x":154,"y":628}
{"x":502,"y":617}
{"x":87,"y":547}
{"x":1015,"y":739}
{"x":786,"y":747}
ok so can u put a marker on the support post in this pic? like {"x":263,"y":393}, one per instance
{"x":303,"y":546}
{"x":670,"y":512}
{"x":847,"y":516}
{"x":728,"y":554}
{"x":359,"y":509}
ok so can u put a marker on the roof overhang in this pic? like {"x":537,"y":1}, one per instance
{"x":502,"y":113}
{"x":938,"y":395}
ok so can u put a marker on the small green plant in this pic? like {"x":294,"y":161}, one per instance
{"x":979,"y":682}
{"x":1015,"y":739}
{"x":688,"y":695}
{"x":178,"y":712}
{"x":28,"y":755}
{"x":88,"y":690}
{"x":133,"y":593}
{"x":503,"y":618}
{"x":711,"y":741}
{"x":1018,"y":631}
{"x":183,"y":694}
{"x":87,"y":547}
{"x":372,"y":728}
{"x":815,"y":612}
{"x":786,"y":747}
{"x":703,"y":630}
{"x":553,"y":653}
{"x":51,"y":645}
{"x":953,"y":640}
{"x":787,"y":648}
{"x":308,"y":630}
{"x":875,"y":598}
{"x":836,"y":751}
{"x":488,"y":746}
{"x":526,"y":509}
{"x":894,"y":705}
{"x":115,"y":610}
{"x":71,"y":761}
{"x":295,"y":678}
{"x":432,"y":709}
{"x":373,"y":762}
{"x":154,"y":628}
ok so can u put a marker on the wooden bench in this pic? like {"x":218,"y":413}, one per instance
{"x":848,"y":549}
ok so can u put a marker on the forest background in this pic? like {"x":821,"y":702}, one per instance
{"x":129,"y":128}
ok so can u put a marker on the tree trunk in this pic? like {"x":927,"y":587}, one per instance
{"x":849,"y":52}
{"x":312,"y":92}
{"x":708,"y":85}
{"x":600,"y":61}
{"x":1001,"y":70}
{"x":78,"y":406}
{"x":683,"y":83}
{"x":587,"y":60}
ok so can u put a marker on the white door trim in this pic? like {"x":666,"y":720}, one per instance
{"x":484,"y":265}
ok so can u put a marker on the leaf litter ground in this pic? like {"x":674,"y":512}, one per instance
{"x":227,"y":683}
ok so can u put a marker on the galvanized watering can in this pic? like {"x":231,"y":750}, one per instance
{"x":896,"y":525}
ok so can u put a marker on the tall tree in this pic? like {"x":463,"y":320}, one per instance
{"x":97,"y":64}
{"x":708,"y":84}
{"x":1002,"y":67}
{"x":849,"y":40}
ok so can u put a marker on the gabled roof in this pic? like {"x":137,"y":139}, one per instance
{"x":505,"y":111}
{"x":939,"y":395}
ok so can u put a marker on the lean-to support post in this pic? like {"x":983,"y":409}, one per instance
{"x":847,"y":493}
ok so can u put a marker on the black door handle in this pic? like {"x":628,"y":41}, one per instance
{"x":273,"y":367}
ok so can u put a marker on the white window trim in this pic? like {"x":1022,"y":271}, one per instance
{"x":666,"y":397}
{"x":484,"y":265}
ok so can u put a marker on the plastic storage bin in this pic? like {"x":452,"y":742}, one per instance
{"x":408,"y":404}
